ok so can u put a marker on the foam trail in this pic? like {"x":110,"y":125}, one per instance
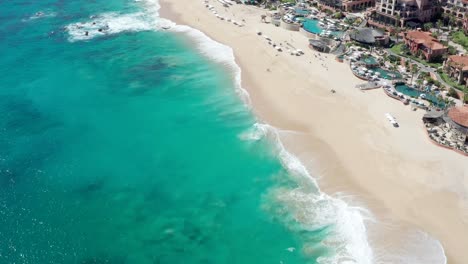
{"x":39,"y":15}
{"x":218,"y":53}
{"x":112,"y":23}
{"x":310,"y":207}
{"x":315,"y":210}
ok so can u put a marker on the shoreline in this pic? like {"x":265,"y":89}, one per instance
{"x":402,"y":194}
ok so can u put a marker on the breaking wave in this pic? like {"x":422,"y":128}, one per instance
{"x":114,"y":23}
{"x":346,"y":226}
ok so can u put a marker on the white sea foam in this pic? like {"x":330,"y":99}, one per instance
{"x":310,"y":207}
{"x":218,"y":53}
{"x":314,"y":209}
{"x":113,"y":23}
{"x":39,"y":15}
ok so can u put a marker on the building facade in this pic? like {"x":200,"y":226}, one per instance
{"x":456,"y":67}
{"x":457,"y":9}
{"x":465,"y":24}
{"x":356,"y":5}
{"x":422,"y":43}
{"x":399,"y":12}
{"x":346,"y":5}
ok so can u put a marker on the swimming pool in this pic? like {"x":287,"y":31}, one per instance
{"x":369,"y":60}
{"x":312,"y":26}
{"x":406,"y":90}
{"x":389,"y":75}
{"x":299,"y":19}
{"x":300,"y":11}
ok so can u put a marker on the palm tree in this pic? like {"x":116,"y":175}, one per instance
{"x":397,"y":31}
{"x":439,"y":25}
{"x":414,"y":69}
{"x":452,"y":20}
{"x":397,"y":21}
{"x":419,"y":82}
{"x":427,"y":26}
{"x":445,"y":17}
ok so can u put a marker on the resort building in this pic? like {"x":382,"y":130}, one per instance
{"x":346,"y":5}
{"x":423,"y":44}
{"x":370,"y":36}
{"x":399,"y":12}
{"x":355,"y":5}
{"x":449,"y":129}
{"x":319,"y":45}
{"x":465,"y":24}
{"x":456,"y":8}
{"x":330,"y":4}
{"x":457,"y":67}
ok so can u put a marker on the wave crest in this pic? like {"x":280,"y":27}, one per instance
{"x":311,"y":208}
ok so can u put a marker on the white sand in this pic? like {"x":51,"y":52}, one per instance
{"x":344,"y":137}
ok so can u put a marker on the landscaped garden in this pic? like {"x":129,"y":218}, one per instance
{"x":460,"y":38}
{"x":402,"y":50}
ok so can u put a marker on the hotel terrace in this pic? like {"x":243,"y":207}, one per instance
{"x":449,"y":129}
{"x":457,"y":67}
{"x":346,"y":5}
{"x":399,"y":12}
{"x":422,"y":42}
{"x":353,"y":5}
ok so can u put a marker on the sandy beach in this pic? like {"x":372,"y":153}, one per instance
{"x":343,"y":138}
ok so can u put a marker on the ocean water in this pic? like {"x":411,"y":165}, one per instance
{"x":136,"y":145}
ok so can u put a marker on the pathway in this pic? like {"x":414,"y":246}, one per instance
{"x":423,"y":68}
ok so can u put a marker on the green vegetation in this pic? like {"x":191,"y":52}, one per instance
{"x":402,"y":50}
{"x":393,"y":58}
{"x":428,"y":26}
{"x":451,"y":82}
{"x":459,"y":37}
{"x":453,"y":93}
{"x":452,"y":50}
{"x":338,"y":15}
{"x":427,"y":77}
{"x":398,"y":48}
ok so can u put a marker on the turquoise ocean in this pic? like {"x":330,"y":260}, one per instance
{"x":134,"y":145}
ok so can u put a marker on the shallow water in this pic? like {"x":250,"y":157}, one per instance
{"x":133,"y":145}
{"x":127,"y":148}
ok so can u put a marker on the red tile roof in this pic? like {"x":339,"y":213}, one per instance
{"x":460,"y":61}
{"x":459,"y":115}
{"x":424,"y":38}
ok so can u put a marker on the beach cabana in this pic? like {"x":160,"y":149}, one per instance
{"x":319,"y":45}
